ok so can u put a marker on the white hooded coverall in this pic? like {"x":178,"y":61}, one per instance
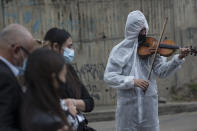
{"x":136,"y":110}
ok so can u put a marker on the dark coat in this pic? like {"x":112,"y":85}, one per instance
{"x":35,"y":119}
{"x":10,"y":99}
{"x":68,"y":91}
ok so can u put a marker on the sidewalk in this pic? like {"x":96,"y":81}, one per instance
{"x":107,"y":113}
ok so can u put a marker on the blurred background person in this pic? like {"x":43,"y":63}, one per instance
{"x":41,"y":110}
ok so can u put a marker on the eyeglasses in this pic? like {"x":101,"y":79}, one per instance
{"x":25,"y":50}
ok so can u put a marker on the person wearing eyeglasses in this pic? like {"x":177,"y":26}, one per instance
{"x":16,"y":42}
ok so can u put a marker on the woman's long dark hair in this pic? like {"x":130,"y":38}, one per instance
{"x":73,"y":82}
{"x":60,"y":36}
{"x":41,"y":92}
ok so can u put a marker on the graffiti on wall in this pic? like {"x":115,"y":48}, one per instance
{"x":89,"y":72}
{"x":94,"y":91}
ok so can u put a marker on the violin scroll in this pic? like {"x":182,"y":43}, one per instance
{"x":193,"y":51}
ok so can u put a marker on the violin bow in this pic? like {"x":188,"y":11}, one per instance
{"x":155,"y":54}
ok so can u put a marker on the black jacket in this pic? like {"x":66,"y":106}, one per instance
{"x":34,"y":119}
{"x":68,"y":92}
{"x":10,"y":99}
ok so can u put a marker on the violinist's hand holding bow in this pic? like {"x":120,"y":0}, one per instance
{"x":141,"y":83}
{"x":184,"y":52}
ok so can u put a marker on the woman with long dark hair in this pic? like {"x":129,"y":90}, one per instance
{"x":44,"y":77}
{"x":74,"y":92}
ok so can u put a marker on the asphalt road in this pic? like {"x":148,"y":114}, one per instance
{"x":177,"y":122}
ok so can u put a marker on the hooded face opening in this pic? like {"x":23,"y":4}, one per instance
{"x":142,"y":36}
{"x":143,"y":31}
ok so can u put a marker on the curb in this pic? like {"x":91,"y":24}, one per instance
{"x":107,"y":113}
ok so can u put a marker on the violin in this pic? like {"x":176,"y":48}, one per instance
{"x":166,"y":48}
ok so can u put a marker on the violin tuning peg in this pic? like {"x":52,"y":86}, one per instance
{"x":191,"y":52}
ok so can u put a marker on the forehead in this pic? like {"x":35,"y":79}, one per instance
{"x":69,"y":40}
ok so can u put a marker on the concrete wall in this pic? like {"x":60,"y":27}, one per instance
{"x":97,"y":25}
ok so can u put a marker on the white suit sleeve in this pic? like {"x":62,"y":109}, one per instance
{"x":114,"y":78}
{"x":163,"y":69}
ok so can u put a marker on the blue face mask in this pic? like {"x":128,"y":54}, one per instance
{"x":69,"y":55}
{"x":22,"y":68}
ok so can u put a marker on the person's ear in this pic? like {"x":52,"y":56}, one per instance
{"x":16,"y":50}
{"x":55,"y":46}
{"x":16,"y":54}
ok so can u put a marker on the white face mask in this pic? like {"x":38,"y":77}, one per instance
{"x":23,"y":66}
{"x":69,"y":54}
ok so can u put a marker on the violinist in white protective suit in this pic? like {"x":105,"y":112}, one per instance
{"x":127,"y":72}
